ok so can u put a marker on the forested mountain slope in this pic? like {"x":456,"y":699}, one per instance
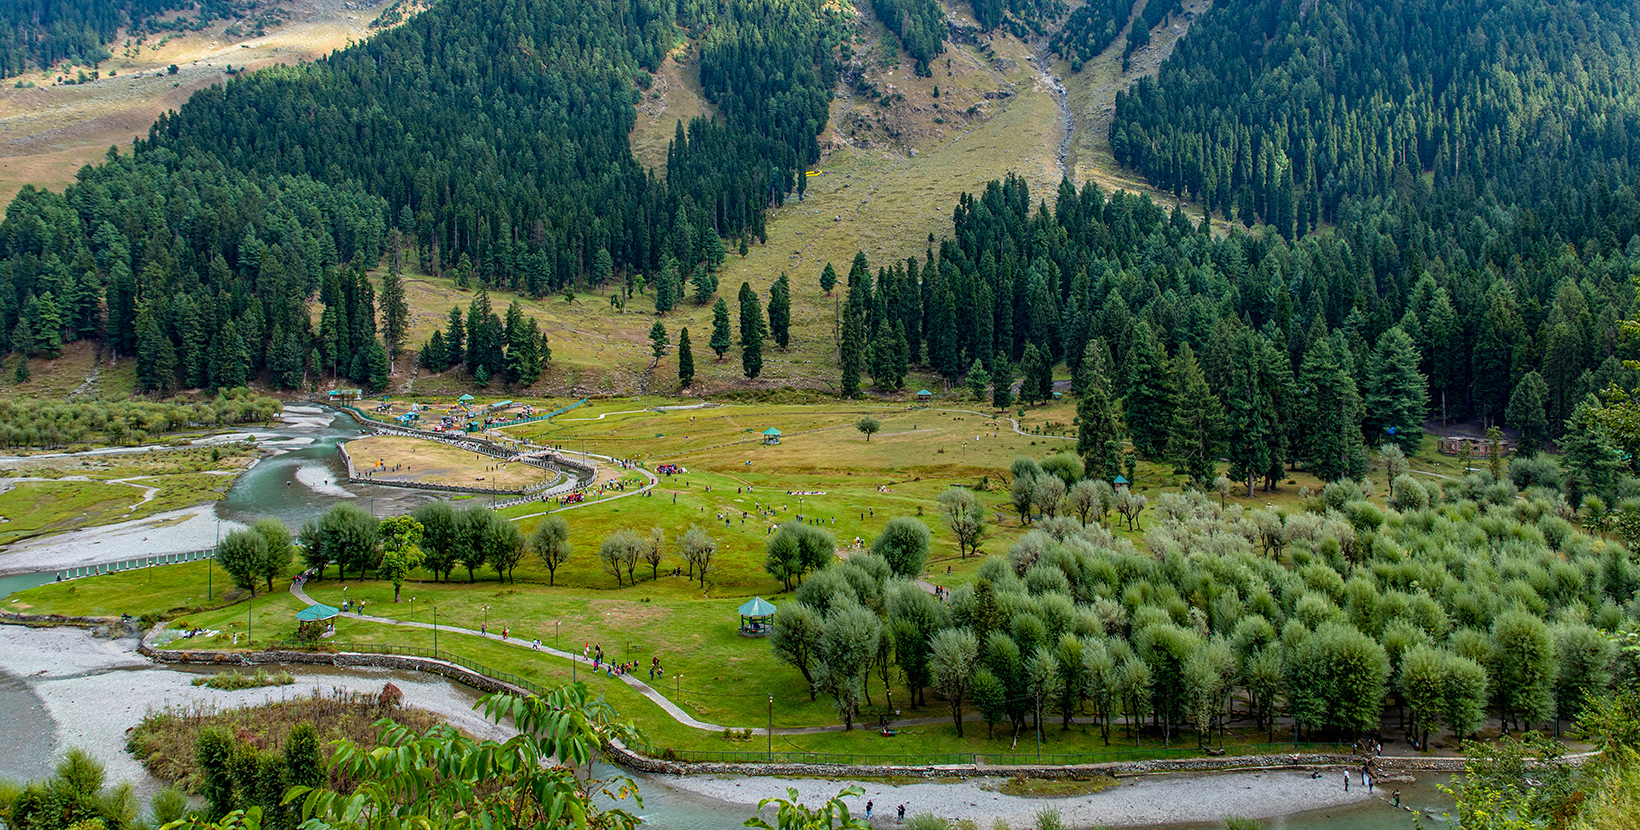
{"x":1283,"y":112}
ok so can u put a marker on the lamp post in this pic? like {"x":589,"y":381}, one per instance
{"x":555,"y":624}
{"x":435,"y":630}
{"x":486,"y":620}
{"x":771,"y":728}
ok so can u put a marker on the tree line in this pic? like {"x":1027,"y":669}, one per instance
{"x":1388,"y":323}
{"x":1446,"y":607}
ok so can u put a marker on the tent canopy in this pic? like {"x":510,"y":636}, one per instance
{"x":314,"y":613}
{"x":757,"y":607}
{"x":465,"y":398}
{"x":771,"y":431}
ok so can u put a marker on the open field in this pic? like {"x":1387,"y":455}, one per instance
{"x":45,"y":496}
{"x":390,"y":458}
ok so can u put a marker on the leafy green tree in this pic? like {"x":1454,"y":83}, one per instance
{"x":401,"y":550}
{"x":240,"y":554}
{"x":903,"y":544}
{"x":699,"y":550}
{"x":277,"y":558}
{"x":350,"y":537}
{"x":503,"y":547}
{"x":304,"y":766}
{"x":848,"y":646}
{"x":965,"y":517}
{"x":794,"y":635}
{"x":550,"y":544}
{"x":439,"y":542}
{"x":1591,"y":457}
{"x":952,"y":655}
{"x":868,"y":425}
{"x":1525,"y":669}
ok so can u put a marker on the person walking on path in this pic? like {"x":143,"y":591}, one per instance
{"x":900,"y":819}
{"x":868,"y":810}
{"x":1346,"y":780}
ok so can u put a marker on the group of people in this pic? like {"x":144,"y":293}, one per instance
{"x":900,"y":811}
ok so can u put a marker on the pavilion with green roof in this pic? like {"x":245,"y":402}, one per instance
{"x":318,"y":613}
{"x":771,"y":436}
{"x":754,"y":617}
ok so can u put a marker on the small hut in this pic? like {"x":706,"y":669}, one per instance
{"x":316,"y":615}
{"x":465,"y":399}
{"x":925,"y":396}
{"x":1120,"y":481}
{"x":755,"y":616}
{"x":771,"y":436}
{"x":341,"y":395}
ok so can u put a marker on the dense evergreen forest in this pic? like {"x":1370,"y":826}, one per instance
{"x":1510,"y":328}
{"x":492,"y":134}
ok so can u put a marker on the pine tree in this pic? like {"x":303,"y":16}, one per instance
{"x":1037,"y":376}
{"x":1591,"y":457}
{"x":1147,"y":407}
{"x":853,"y":352}
{"x":705,"y":282}
{"x":1094,"y":365}
{"x":1333,"y":448}
{"x":751,"y":349}
{"x":228,"y":358}
{"x":658,"y":342}
{"x":828,"y":279}
{"x":1002,"y":386}
{"x":780,"y":311}
{"x":1248,"y":436}
{"x":1198,"y":424}
{"x":1397,"y":393}
{"x":686,"y":360}
{"x":1097,"y":438}
{"x":721,"y":339}
{"x":1527,"y":412}
{"x":668,"y":285}
{"x":433,"y":354}
{"x":395,"y":310}
{"x":455,"y":335}
{"x":978,"y":379}
{"x":156,"y":357}
{"x":375,"y":362}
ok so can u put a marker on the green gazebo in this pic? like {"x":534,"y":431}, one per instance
{"x":316,"y":613}
{"x":771,"y":436}
{"x":755,"y":616}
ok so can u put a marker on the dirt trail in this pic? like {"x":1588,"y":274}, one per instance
{"x":1042,"y":60}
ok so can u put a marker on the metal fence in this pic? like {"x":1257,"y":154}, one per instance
{"x":834,"y":758}
{"x":133,"y":564}
{"x":414,"y":651}
{"x":1152,"y":753}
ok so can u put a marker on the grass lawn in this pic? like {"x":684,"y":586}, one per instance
{"x":395,"y":458}
{"x":166,"y":589}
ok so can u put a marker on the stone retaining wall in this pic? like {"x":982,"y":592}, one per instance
{"x":56,"y":619}
{"x":461,"y":675}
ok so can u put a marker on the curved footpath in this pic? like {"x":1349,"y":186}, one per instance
{"x":1383,"y":762}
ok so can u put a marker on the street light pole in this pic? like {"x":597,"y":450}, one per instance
{"x":435,"y":630}
{"x":771,"y":728}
